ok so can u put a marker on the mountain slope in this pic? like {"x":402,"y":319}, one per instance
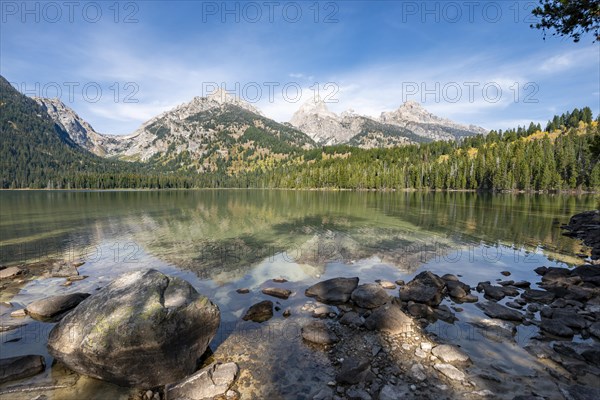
{"x":208,"y":133}
{"x":79,"y":130}
{"x":36,"y":152}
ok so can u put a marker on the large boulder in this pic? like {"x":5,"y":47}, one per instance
{"x":333,"y":291}
{"x":427,"y":288}
{"x":370,"y":295}
{"x":389,"y":318}
{"x":144,"y":329}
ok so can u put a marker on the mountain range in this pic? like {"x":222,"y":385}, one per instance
{"x":216,"y":133}
{"x":207,"y":130}
{"x":218,"y":141}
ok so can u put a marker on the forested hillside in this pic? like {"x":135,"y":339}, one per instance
{"x":36,"y":153}
{"x":558,"y":160}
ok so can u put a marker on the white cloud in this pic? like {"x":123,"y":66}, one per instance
{"x":448,"y":85}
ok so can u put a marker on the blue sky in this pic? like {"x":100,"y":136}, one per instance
{"x":118,"y":66}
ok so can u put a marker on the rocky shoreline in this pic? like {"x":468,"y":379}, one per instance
{"x":373,"y":340}
{"x":586,"y":227}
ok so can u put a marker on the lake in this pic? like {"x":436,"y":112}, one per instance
{"x":222,"y":240}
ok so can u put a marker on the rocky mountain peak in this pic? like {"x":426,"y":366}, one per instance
{"x":413,"y":116}
{"x":314,"y":106}
{"x":321,"y":124}
{"x":222,"y":97}
{"x":412,"y":111}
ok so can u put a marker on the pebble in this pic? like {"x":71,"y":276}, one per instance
{"x":18,"y":313}
{"x":420,"y":353}
{"x":418,"y":372}
{"x":77,"y":277}
{"x":426,"y":346}
{"x":483,"y":393}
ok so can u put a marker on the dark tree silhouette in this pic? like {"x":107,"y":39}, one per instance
{"x":571,"y":18}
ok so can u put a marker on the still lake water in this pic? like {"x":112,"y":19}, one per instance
{"x":221,"y":240}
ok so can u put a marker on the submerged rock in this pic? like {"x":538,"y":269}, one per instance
{"x":370,"y":295}
{"x":64,"y":269}
{"x":144,"y":329}
{"x":495,"y":310}
{"x":333,"y":291}
{"x":20,"y":367}
{"x":387,"y":285}
{"x":353,"y":371}
{"x":259,"y":312}
{"x":277,"y":292}
{"x":318,"y":332}
{"x":211,"y":381}
{"x":495,"y":328}
{"x":20,"y":313}
{"x":50,"y":307}
{"x":490,"y":291}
